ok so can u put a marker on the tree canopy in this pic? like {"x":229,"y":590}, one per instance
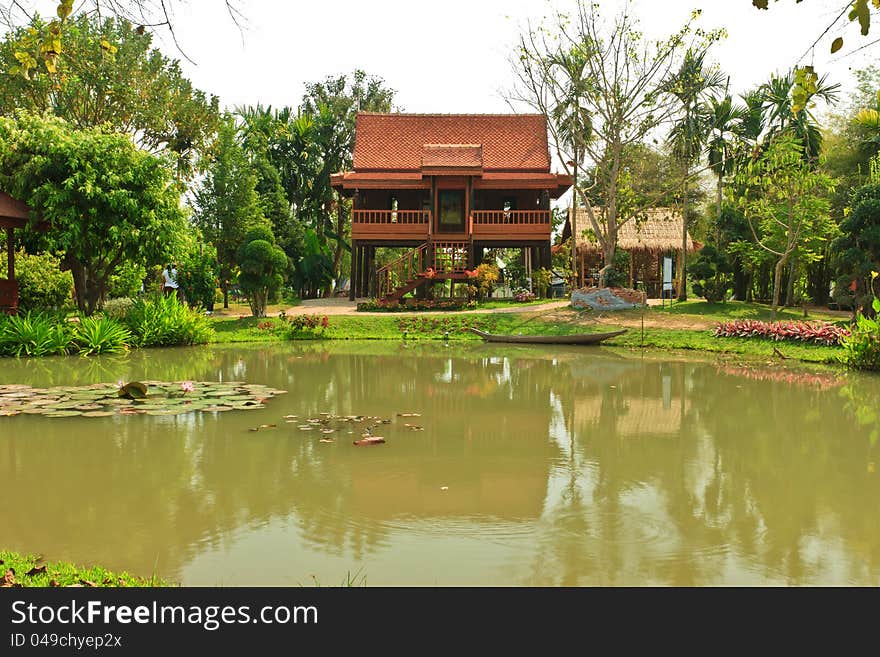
{"x":106,"y":201}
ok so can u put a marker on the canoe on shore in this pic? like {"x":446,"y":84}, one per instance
{"x":579,"y":338}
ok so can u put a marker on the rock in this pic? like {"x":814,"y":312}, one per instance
{"x":606,"y":298}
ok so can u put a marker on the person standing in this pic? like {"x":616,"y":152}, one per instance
{"x":169,"y":275}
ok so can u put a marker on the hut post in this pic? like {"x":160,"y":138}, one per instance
{"x":10,"y":254}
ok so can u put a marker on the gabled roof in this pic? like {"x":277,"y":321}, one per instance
{"x":398,"y":141}
{"x":452,"y":155}
{"x":654,"y":230}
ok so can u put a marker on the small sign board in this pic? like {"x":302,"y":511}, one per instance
{"x":667,"y":274}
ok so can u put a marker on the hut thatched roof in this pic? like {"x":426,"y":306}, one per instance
{"x":655,"y":230}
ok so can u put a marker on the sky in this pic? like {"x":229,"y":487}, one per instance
{"x":453,"y":56}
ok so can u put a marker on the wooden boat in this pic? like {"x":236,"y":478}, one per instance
{"x":579,"y":338}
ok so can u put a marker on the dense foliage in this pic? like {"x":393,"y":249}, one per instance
{"x":41,"y":283}
{"x":817,"y":332}
{"x":160,"y":321}
{"x":107,"y":201}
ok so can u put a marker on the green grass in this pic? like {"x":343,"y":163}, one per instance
{"x":62,"y":573}
{"x":738,"y":310}
{"x":439,"y":326}
{"x":681,"y":339}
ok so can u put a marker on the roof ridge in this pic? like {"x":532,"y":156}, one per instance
{"x":435,"y":114}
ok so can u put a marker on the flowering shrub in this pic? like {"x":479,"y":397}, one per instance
{"x":816,"y":332}
{"x":299,"y":323}
{"x":523,"y":296}
{"x":415,"y":304}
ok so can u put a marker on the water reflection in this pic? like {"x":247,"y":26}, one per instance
{"x":550,"y":466}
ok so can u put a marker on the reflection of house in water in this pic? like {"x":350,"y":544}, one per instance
{"x":635,"y":399}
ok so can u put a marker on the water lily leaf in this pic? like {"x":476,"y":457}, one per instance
{"x":98,"y":414}
{"x":63,"y":413}
{"x":216,"y":409}
{"x":133,"y":390}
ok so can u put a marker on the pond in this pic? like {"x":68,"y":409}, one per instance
{"x":524,"y":466}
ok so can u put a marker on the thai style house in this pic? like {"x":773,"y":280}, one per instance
{"x":446,"y":187}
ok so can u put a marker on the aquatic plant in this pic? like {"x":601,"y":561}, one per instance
{"x":862,"y":345}
{"x":134,"y":398}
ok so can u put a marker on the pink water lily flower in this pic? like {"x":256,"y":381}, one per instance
{"x":187,"y":386}
{"x":120,"y":383}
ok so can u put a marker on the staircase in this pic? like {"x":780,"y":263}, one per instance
{"x":428,"y":261}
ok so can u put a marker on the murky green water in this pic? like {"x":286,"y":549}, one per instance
{"x":536,"y":466}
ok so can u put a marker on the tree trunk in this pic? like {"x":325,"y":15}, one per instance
{"x":789,"y":292}
{"x":682,"y":268}
{"x":777,"y":281}
{"x":573,"y":220}
{"x":718,"y":212}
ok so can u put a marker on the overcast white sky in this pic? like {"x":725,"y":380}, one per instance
{"x":451,"y":56}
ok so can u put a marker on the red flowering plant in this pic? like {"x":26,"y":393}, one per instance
{"x":810,"y":332}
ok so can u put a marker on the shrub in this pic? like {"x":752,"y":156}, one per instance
{"x":374,"y":305}
{"x":117,"y":308}
{"x":262,"y":265}
{"x":100,"y":335}
{"x":523,"y":296}
{"x":197,"y":277}
{"x":34,"y":334}
{"x":862,"y":345}
{"x":41,"y":283}
{"x":126,"y":280}
{"x":486,"y":278}
{"x":166,"y":321}
{"x":711,"y":274}
{"x":613,"y":277}
{"x":817,"y":332}
{"x":541,"y":279}
{"x":300,"y":324}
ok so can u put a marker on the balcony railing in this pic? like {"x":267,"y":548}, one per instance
{"x":516,"y":217}
{"x":391,"y":217}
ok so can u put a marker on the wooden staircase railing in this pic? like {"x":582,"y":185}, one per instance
{"x":402,"y":271}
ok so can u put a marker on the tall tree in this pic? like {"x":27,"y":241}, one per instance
{"x":226,"y":204}
{"x":333,"y":105}
{"x":623,"y":94}
{"x":112,"y":76}
{"x":690,"y":86}
{"x":786,"y":206}
{"x":725,"y":125}
{"x":106,"y":201}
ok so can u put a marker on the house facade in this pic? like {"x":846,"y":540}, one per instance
{"x":444,"y":188}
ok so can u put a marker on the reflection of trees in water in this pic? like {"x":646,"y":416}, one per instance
{"x":675,"y":466}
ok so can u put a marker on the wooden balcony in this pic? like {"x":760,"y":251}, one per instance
{"x":516,"y":224}
{"x":410,"y":225}
{"x":390,"y":224}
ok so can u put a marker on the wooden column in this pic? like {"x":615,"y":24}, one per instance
{"x":353,"y":283}
{"x":10,"y":253}
{"x":372,"y":284}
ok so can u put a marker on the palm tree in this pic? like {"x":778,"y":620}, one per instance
{"x":725,"y":126}
{"x":689,"y":86}
{"x":781,"y":117}
{"x":575,"y":126}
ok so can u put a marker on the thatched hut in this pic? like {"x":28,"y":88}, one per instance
{"x":648,"y":238}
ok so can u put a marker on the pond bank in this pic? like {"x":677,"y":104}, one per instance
{"x":663,"y":330}
{"x":28,"y":570}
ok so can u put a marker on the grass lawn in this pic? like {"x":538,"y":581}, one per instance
{"x":742,"y":310}
{"x":685,"y":326}
{"x":27,"y":572}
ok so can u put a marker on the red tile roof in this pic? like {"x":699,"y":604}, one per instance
{"x":452,"y":155}
{"x":397,"y":141}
